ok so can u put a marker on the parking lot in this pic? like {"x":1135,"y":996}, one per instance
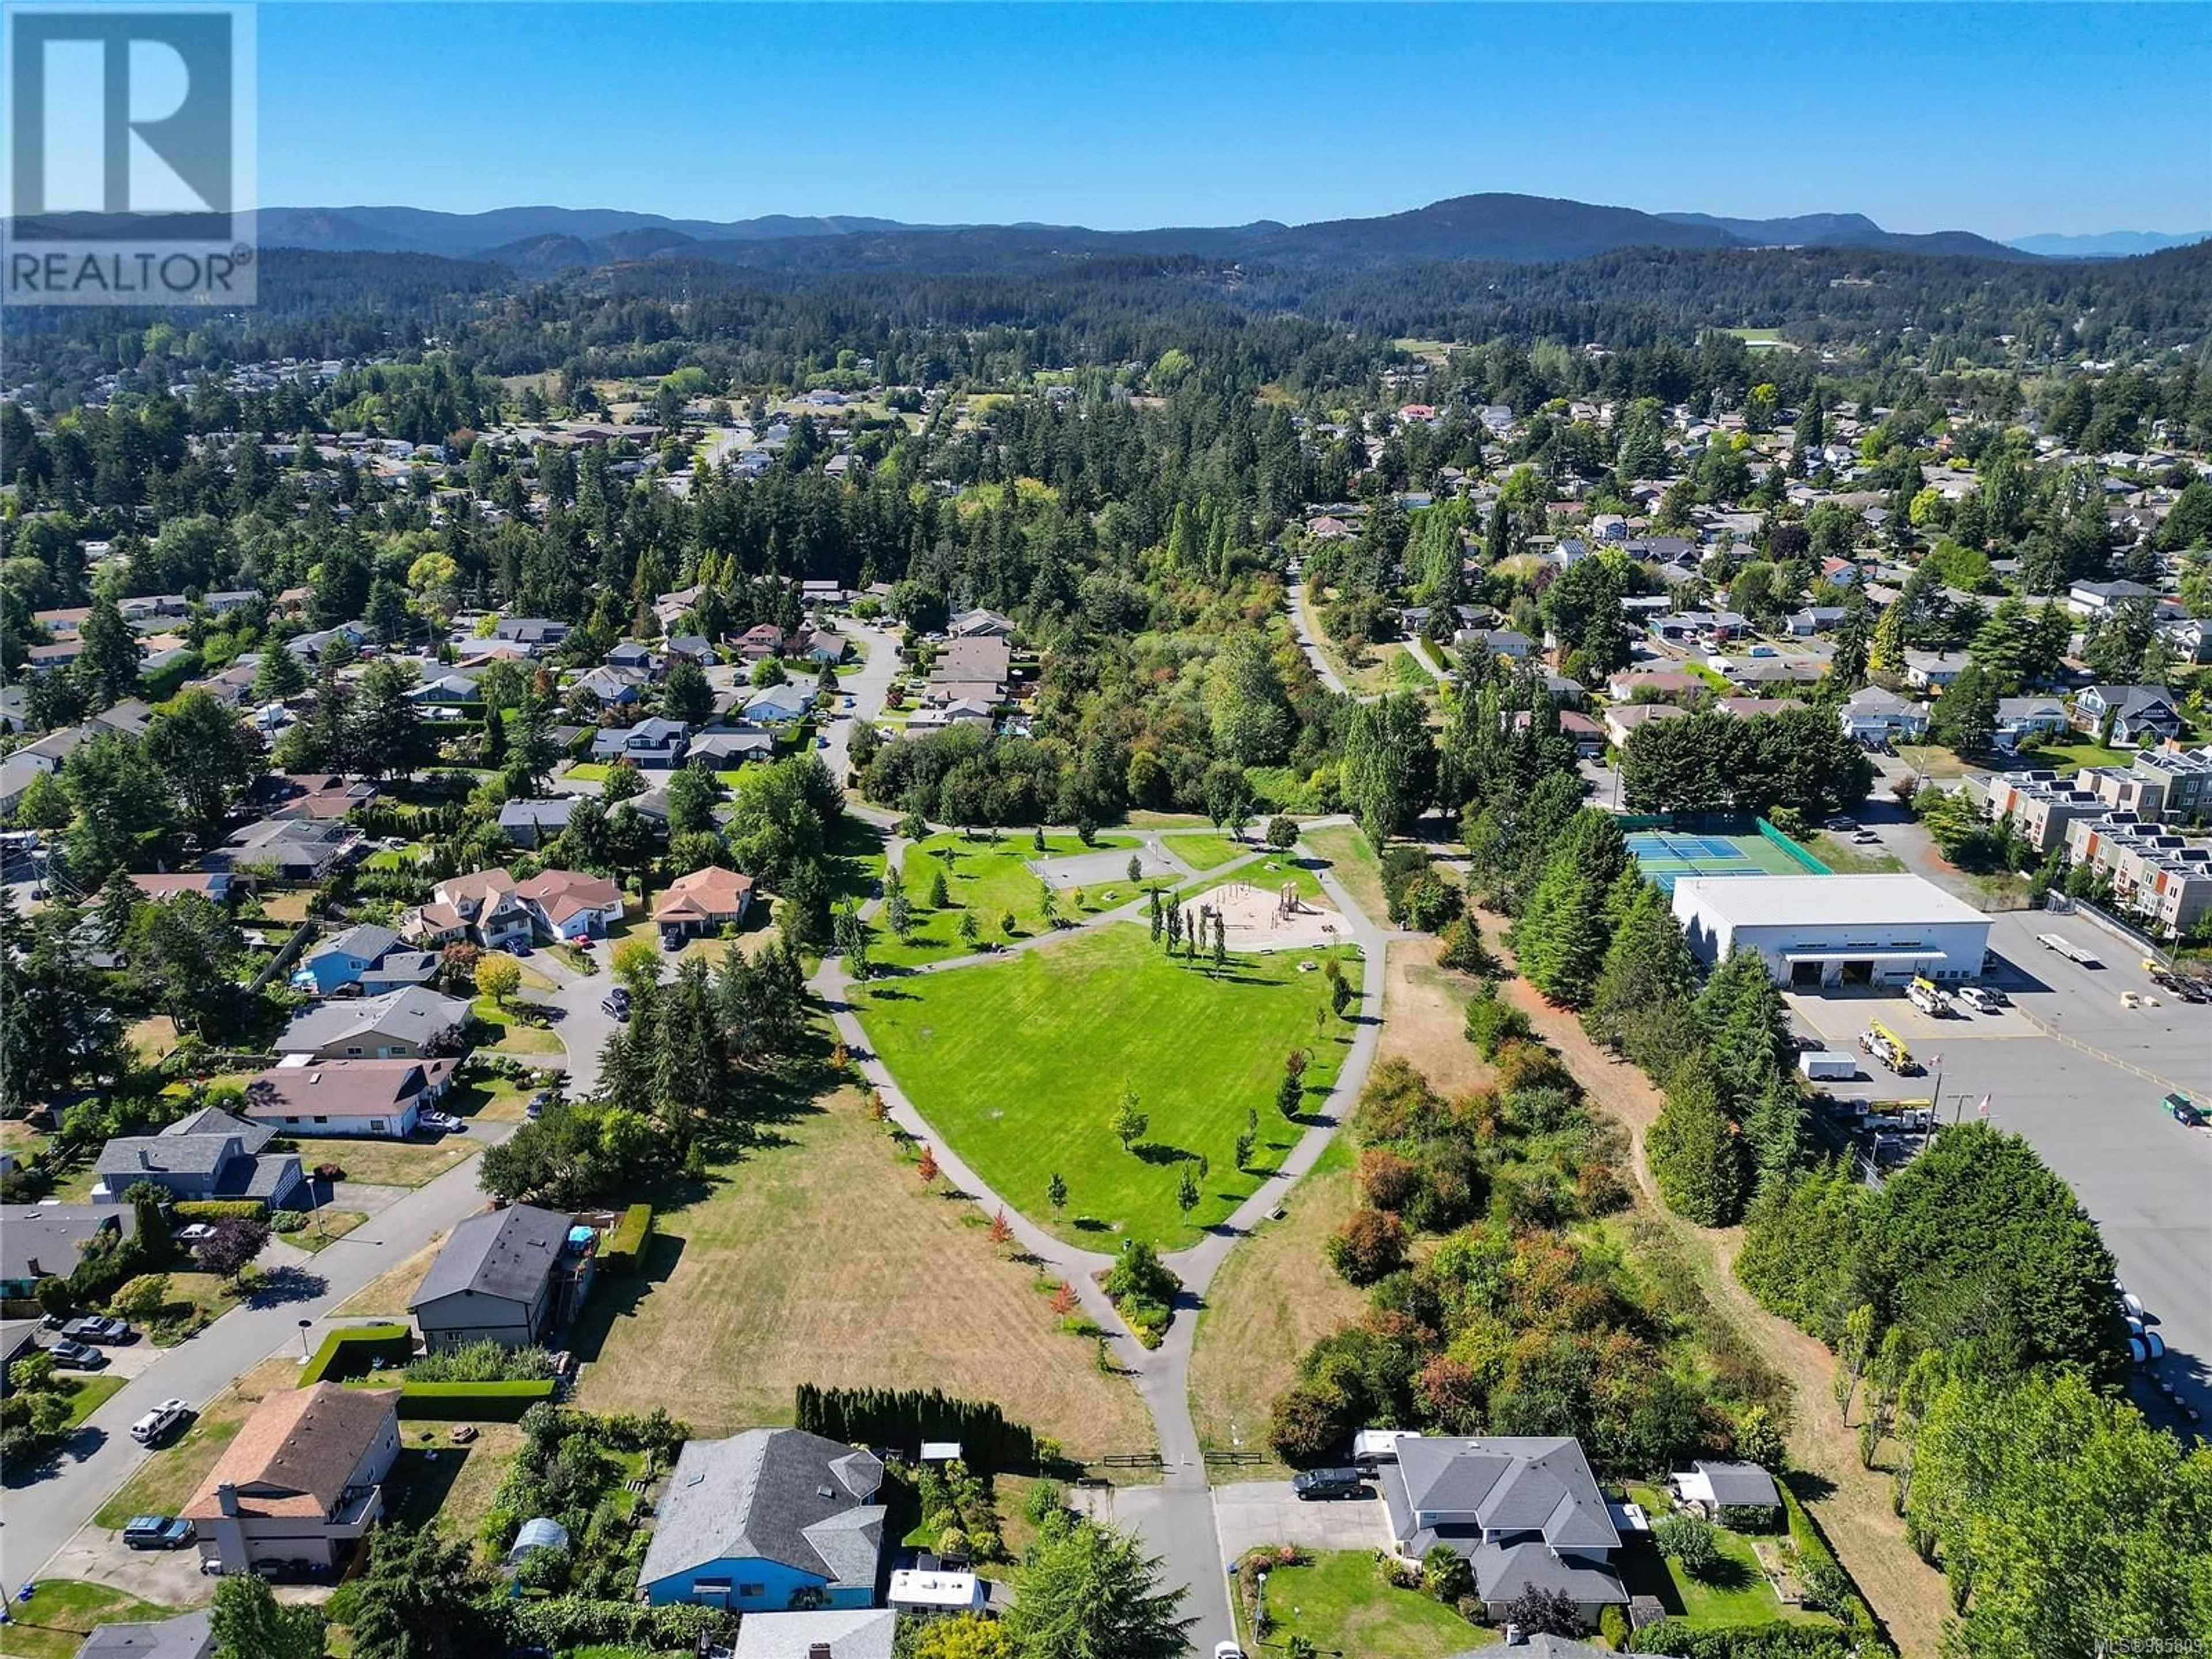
{"x":2080,"y":1075}
{"x":1248,"y":1512}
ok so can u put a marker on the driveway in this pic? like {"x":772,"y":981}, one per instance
{"x":878,"y":668}
{"x":1248,"y":1512}
{"x":44,"y":1516}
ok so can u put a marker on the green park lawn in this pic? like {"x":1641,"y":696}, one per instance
{"x":1736,"y":1593}
{"x":508,"y":1031}
{"x":990,"y":882}
{"x":1849,"y":858}
{"x":2073,"y":756}
{"x":1210,"y":852}
{"x":1341,"y":1604}
{"x":1021,"y":1066}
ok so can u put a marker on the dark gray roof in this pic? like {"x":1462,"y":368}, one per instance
{"x":399,"y":970}
{"x":779,"y":1495}
{"x":1539,"y":1646}
{"x":504,"y":1253}
{"x":213,"y":1120}
{"x":36,"y":1239}
{"x":551,"y":813}
{"x":1740,"y":1483}
{"x":188,"y":1636}
{"x":414,"y":1015}
{"x":368,"y":940}
{"x":1503,"y":1573}
{"x":1513,"y":1483}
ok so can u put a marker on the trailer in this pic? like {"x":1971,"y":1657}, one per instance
{"x":2067,"y":948}
{"x":1825,"y":1066}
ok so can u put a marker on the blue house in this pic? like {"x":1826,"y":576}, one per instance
{"x":344,"y":958}
{"x":766,"y":1520}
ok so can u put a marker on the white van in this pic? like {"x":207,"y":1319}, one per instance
{"x":156,"y":1425}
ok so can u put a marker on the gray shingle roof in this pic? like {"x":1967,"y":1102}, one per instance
{"x":1502,"y":1574}
{"x":188,"y":1636}
{"x":46,"y":1238}
{"x":1510,"y":1483}
{"x":504,"y":1253}
{"x":778,"y":1495}
{"x":1740,"y":1483}
{"x":846,"y":1633}
{"x":367,"y":940}
{"x":413,"y":1015}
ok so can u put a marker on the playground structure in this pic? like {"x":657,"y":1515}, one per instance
{"x":1256,"y":918}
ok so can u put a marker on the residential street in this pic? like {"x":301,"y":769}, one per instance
{"x":42,"y":1517}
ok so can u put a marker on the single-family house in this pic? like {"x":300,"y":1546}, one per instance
{"x":1524,"y":1510}
{"x":2095,"y":600}
{"x":823,"y":647}
{"x":534,"y":823}
{"x":1872,"y":714}
{"x":416,"y":1024}
{"x":317,"y":795}
{"x":725,"y":750}
{"x":309,"y":647}
{"x":213,"y":885}
{"x":1712,"y":1487}
{"x":2027,"y":720}
{"x":456,"y":686}
{"x":762,"y":642}
{"x":823,"y":1633}
{"x":1816,"y":619}
{"x":2189,"y":638}
{"x":980,"y":625}
{"x":655,"y":744}
{"x":766,"y":1521}
{"x":46,"y":1241}
{"x":1621,"y":718}
{"x":294,"y":849}
{"x":703,"y":902}
{"x":777,"y":705}
{"x":1507,"y":642}
{"x":1653,"y":684}
{"x":535,"y":633}
{"x":615,"y":687}
{"x":481,"y":908}
{"x":187,"y":1636}
{"x":1931,"y":670}
{"x":2130,"y":713}
{"x":209,"y":1155}
{"x":513,"y":1276}
{"x":629,"y":655}
{"x":569,"y":905}
{"x":693,"y":647}
{"x":309,"y":1096}
{"x":343,"y":958}
{"x":302,"y":1480}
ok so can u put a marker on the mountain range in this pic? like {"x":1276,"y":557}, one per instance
{"x":2110,"y":245}
{"x":1491,"y":227}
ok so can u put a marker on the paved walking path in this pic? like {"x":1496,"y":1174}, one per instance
{"x":1177,"y":1518}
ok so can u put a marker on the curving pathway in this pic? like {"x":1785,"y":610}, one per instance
{"x":1175,"y":1517}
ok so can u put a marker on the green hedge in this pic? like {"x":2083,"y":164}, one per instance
{"x":625,"y":1242}
{"x":1781,"y":1639}
{"x":220,"y":1209}
{"x":480,"y":1403}
{"x":355,"y":1351}
{"x":906,"y":1417}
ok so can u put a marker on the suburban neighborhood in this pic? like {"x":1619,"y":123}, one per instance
{"x":1275,"y":945}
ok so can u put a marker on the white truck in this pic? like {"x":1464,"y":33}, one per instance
{"x":1929,"y":997}
{"x":1825,"y":1066}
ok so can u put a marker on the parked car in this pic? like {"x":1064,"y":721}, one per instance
{"x":196,"y":1232}
{"x":157,"y":1532}
{"x":1839,"y":822}
{"x":440,"y":1123}
{"x":671,"y":939}
{"x":538,"y":1102}
{"x":615,"y":1004}
{"x":160,"y":1423}
{"x":75,"y":1356}
{"x":1329,"y":1483}
{"x":1978,"y":1000}
{"x":95,"y":1328}
{"x":520,"y":948}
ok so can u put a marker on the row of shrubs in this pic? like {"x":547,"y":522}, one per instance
{"x":356,"y":1351}
{"x":907,"y":1417}
{"x":625,"y":1243}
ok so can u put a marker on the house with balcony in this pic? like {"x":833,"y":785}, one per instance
{"x":303,"y":1479}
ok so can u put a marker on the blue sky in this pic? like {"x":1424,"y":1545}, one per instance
{"x":2003,"y":119}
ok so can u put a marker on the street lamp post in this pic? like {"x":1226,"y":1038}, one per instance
{"x":306,"y":1325}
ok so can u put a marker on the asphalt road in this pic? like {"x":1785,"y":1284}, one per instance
{"x":37,"y":1520}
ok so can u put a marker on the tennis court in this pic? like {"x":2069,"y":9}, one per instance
{"x":1664,"y":855}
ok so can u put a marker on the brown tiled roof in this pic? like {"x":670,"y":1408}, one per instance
{"x":712,"y":891}
{"x":293,"y":1455}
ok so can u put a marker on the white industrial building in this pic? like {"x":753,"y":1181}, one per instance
{"x":1829,"y":930}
